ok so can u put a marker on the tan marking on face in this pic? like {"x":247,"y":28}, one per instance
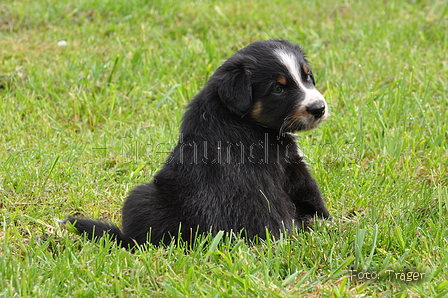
{"x":305,"y":68}
{"x":258,"y":117}
{"x":256,"y":111}
{"x":281,"y":79}
{"x":300,"y":116}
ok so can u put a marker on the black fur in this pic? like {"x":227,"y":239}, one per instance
{"x":236,"y":165}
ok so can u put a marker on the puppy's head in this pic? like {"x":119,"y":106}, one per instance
{"x":271,"y":83}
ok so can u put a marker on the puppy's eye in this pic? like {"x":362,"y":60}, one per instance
{"x":279,"y":90}
{"x":310,"y":78}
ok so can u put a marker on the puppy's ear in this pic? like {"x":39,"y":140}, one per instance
{"x":234,"y":88}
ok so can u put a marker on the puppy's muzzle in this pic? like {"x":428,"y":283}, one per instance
{"x":316,"y":109}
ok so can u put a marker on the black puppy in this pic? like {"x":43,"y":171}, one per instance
{"x":236,"y":166}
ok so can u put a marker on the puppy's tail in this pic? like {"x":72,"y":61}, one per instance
{"x":97,"y":229}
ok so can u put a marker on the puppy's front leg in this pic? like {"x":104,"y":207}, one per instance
{"x":305,"y":194}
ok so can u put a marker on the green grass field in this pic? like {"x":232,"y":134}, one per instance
{"x":82,"y":123}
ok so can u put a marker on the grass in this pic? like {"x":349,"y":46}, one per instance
{"x":82,"y":124}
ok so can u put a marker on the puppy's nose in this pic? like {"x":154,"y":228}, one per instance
{"x":316,"y":109}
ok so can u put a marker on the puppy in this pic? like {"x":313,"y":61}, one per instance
{"x":236,"y":166}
